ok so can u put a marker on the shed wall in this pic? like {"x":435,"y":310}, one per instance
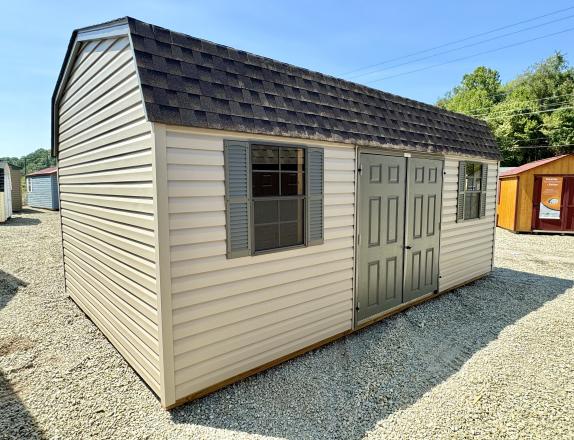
{"x":232,"y":315}
{"x":507,"y":203}
{"x":526,"y":188}
{"x":466,"y":247}
{"x":16,"y":189}
{"x":43,"y":191}
{"x":107,"y":203}
{"x":2,"y":208}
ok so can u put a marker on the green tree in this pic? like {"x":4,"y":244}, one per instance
{"x":32,"y":162}
{"x":529,"y":115}
{"x":476,"y":94}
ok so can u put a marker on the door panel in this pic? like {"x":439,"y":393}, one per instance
{"x":424,"y":190}
{"x":381,"y":207}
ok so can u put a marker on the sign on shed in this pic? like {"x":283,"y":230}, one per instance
{"x":550,"y":194}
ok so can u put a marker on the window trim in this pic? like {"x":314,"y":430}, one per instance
{"x":304,"y":197}
{"x":482,"y":192}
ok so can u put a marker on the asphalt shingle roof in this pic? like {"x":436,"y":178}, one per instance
{"x":192,"y":82}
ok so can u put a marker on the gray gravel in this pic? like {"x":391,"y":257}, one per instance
{"x":492,"y":360}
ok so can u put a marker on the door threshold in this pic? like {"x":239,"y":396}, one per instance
{"x":547,"y":231}
{"x":397,"y":309}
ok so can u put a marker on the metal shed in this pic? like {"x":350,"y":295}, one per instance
{"x":223,"y":212}
{"x":42,"y":189}
{"x":538,"y":196}
{"x":5,"y":192}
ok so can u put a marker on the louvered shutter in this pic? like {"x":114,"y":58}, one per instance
{"x":460,"y":196}
{"x":237,"y":198}
{"x":483,"y":184}
{"x":315,"y":185}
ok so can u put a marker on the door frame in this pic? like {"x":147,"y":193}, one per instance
{"x":402,"y":306}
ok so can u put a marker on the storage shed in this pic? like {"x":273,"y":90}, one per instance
{"x":5,"y":192}
{"x":538,"y":196}
{"x":16,"y":175}
{"x":223,"y":212}
{"x":42,"y":189}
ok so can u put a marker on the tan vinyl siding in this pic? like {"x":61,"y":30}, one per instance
{"x":106,"y":193}
{"x":466,"y":247}
{"x":232,"y":315}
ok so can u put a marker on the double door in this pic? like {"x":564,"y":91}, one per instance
{"x":399,"y":208}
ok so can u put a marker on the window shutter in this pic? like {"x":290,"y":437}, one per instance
{"x":460,"y":196}
{"x":237,"y":198}
{"x":483,"y":183}
{"x":315,"y":186}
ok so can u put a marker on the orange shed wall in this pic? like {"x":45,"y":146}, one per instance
{"x":506,"y":208}
{"x":526,"y":188}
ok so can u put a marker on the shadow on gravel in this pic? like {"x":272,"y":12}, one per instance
{"x":9,"y":285}
{"x":15,"y":420}
{"x":21,"y":221}
{"x":342,"y":390}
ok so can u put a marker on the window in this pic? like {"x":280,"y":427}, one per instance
{"x":472,"y":190}
{"x":29,"y":185}
{"x":278,"y":196}
{"x":273,"y":197}
{"x":471,"y":200}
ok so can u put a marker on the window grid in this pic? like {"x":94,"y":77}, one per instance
{"x":265,"y":237}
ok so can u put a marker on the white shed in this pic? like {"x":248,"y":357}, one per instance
{"x":223,"y":212}
{"x":5,"y":192}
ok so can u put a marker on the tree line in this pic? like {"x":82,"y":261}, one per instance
{"x":531,"y":116}
{"x":30,"y":163}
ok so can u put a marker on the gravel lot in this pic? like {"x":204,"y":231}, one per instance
{"x":492,"y":360}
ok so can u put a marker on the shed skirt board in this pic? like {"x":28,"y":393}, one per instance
{"x":399,"y":208}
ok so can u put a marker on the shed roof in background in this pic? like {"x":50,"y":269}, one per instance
{"x":528,"y":166}
{"x":191,"y":82}
{"x":44,"y":171}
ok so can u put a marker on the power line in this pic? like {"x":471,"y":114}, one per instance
{"x":543,"y":146}
{"x":459,"y":41}
{"x":530,"y":113}
{"x":472,"y":56}
{"x":460,"y":48}
{"x":519,"y":111}
{"x":477,"y":112}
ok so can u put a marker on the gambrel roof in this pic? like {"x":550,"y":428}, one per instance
{"x":191,"y":82}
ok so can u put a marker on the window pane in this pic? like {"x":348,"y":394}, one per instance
{"x":477,"y":183}
{"x":266,"y":237}
{"x":292,"y":159}
{"x":291,"y":233}
{"x":265,"y":211}
{"x":471,"y":205}
{"x":290,"y":210}
{"x":292,"y":184}
{"x":265,"y":183}
{"x":265,"y":158}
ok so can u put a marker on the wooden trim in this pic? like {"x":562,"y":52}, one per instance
{"x":458,"y":286}
{"x":273,"y":363}
{"x":395,"y":310}
{"x":163,"y":266}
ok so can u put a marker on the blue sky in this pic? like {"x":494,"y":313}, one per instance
{"x":328,"y":36}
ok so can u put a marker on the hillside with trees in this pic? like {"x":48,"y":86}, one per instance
{"x":532,"y":116}
{"x":32,"y":162}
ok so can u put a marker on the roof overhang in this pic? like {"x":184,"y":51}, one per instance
{"x":110,"y":29}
